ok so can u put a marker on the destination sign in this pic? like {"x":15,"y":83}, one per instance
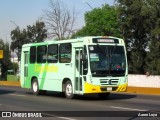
{"x":105,"y":40}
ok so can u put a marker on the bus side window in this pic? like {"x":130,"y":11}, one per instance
{"x":52,"y":54}
{"x":32,"y":54}
{"x":41,"y":54}
{"x":65,"y":53}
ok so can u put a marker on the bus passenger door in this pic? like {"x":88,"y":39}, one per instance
{"x":25,"y":67}
{"x":78,"y":70}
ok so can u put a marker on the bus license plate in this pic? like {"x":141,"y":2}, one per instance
{"x":109,"y":88}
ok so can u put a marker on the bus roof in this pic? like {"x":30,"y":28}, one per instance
{"x":77,"y":40}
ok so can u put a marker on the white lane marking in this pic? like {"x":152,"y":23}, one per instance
{"x":66,"y":118}
{"x":18,"y":95}
{"x":127,"y":108}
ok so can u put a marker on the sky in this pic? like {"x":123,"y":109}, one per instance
{"x":21,"y":13}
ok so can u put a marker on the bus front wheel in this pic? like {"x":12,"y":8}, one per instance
{"x":69,"y":90}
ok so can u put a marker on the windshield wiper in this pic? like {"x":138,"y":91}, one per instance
{"x":101,"y":49}
{"x":111,"y":54}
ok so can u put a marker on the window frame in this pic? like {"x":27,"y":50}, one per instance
{"x":56,"y":53}
{"x":34,"y":52}
{"x":66,"y":54}
{"x":41,"y":58}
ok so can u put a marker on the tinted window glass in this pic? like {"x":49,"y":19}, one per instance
{"x":32,"y":54}
{"x":41,"y":54}
{"x":107,"y":60}
{"x":52,"y":54}
{"x":65,"y":53}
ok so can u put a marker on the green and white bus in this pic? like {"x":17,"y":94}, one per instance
{"x":75,"y":67}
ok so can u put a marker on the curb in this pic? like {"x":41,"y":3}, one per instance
{"x":143,"y":90}
{"x":10,"y":83}
{"x":130,"y":89}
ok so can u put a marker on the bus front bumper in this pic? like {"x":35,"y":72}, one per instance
{"x":89,"y":88}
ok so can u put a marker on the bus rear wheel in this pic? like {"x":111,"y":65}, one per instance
{"x":69,"y":90}
{"x":35,"y":88}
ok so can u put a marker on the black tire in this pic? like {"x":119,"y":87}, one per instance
{"x":35,"y":87}
{"x":103,"y":95}
{"x":69,"y":90}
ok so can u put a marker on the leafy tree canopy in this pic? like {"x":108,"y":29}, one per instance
{"x":138,"y":22}
{"x":33,"y":34}
{"x":100,"y":22}
{"x":6,"y":60}
{"x":153,"y":55}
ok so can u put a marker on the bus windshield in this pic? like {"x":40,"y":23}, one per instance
{"x":107,"y":60}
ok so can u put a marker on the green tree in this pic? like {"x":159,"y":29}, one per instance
{"x":100,"y":22}
{"x":15,"y":67}
{"x":33,"y":34}
{"x":5,"y":62}
{"x":153,"y":58}
{"x":153,"y":55}
{"x":36,"y":33}
{"x":136,"y":20}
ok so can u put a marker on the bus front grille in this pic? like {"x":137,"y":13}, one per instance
{"x":105,"y":89}
{"x":109,"y":81}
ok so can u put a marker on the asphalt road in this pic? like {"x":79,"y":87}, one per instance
{"x":54,"y":106}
